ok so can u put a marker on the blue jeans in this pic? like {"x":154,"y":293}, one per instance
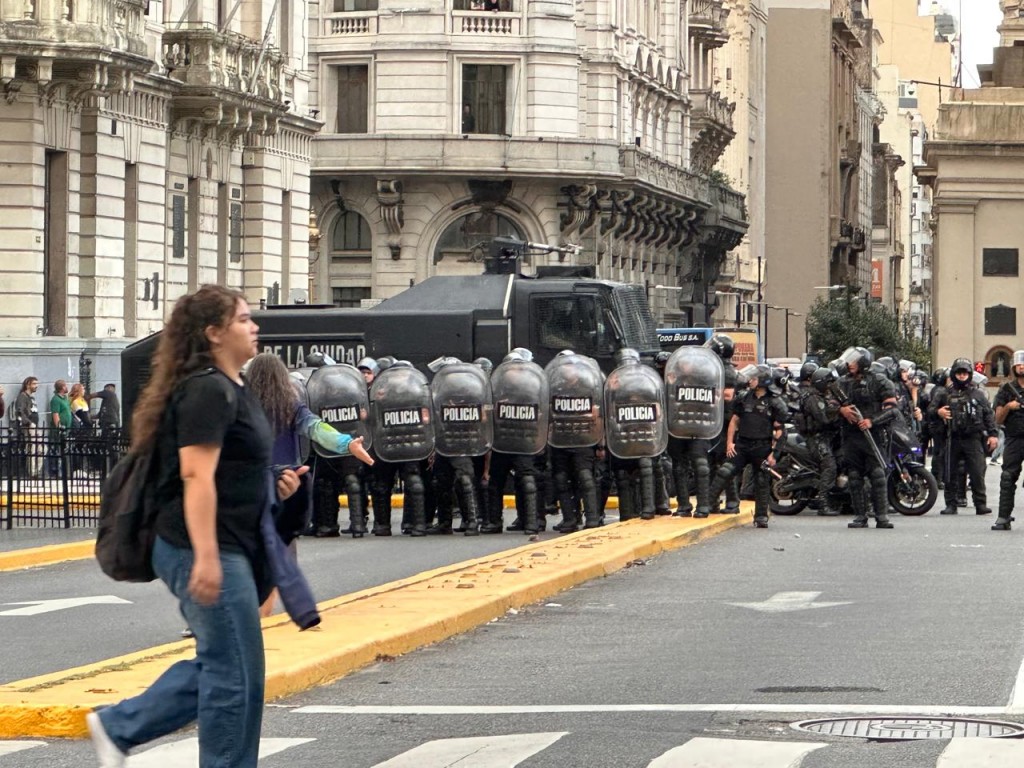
{"x":222,"y":687}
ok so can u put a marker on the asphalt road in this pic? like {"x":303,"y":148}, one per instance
{"x":917,"y":620}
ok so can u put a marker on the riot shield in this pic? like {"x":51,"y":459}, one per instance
{"x":461,"y":396}
{"x":337,"y":394}
{"x":400,"y":415}
{"x":694,"y":378}
{"x":634,"y":408}
{"x":519,"y":390}
{"x":576,"y":388}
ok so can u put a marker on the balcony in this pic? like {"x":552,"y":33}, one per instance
{"x":707,"y":22}
{"x":711,"y":123}
{"x":227,"y":81}
{"x":647,"y":170}
{"x":349,"y":25}
{"x":92,"y":46}
{"x":486,"y":23}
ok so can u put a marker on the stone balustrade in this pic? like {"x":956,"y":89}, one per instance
{"x":204,"y":57}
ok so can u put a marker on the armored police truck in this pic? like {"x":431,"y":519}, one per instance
{"x":462,"y":316}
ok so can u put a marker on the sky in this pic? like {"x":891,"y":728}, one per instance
{"x":978,"y":22}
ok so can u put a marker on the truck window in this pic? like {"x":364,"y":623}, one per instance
{"x":572,"y":322}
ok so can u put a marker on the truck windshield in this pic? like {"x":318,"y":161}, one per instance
{"x":634,"y":314}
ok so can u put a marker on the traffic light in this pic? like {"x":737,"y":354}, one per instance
{"x":979,"y":366}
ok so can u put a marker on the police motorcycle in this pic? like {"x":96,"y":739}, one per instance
{"x":911,"y":489}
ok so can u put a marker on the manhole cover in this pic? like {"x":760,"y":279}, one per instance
{"x":907,"y":728}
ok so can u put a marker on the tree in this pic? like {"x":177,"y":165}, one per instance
{"x":843,"y":322}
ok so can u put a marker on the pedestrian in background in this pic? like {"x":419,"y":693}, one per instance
{"x":61,"y":418}
{"x":26,"y":421}
{"x":268,"y":380}
{"x":109,"y":416}
{"x":212,"y":447}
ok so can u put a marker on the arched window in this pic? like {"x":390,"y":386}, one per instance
{"x":997,"y":363}
{"x":468,"y":238}
{"x":351,"y":260}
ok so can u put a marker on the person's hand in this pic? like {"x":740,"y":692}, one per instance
{"x":288,"y":482}
{"x":917,"y":414}
{"x":356,"y":449}
{"x":945,"y":413}
{"x":992,"y":442}
{"x":770,"y":461}
{"x":1013,"y":405}
{"x":864,"y":424}
{"x":847,"y":412}
{"x":730,"y":450}
{"x":205,"y":580}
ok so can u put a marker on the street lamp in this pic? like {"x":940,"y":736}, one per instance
{"x":789,"y":312}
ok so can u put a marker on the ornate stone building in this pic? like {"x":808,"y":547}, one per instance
{"x":585,"y":122}
{"x":820,"y":121}
{"x":148,"y":147}
{"x":974,"y":163}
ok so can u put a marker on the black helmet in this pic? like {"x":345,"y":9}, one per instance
{"x":806,"y":371}
{"x":385,"y":362}
{"x":890,"y":368}
{"x":839,"y":366}
{"x":731,"y":377}
{"x":939,"y":376}
{"x":780,"y":378}
{"x":821,"y":379}
{"x":627,"y":356}
{"x":961,"y":364}
{"x":722,"y":345}
{"x":661,"y":359}
{"x":763,"y":374}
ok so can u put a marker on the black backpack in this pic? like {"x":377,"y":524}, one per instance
{"x":126,"y":530}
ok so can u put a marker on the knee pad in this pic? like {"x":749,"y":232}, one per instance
{"x":414,"y":485}
{"x":353,"y":487}
{"x":586,"y":481}
{"x":527,"y":485}
{"x":701,"y":467}
{"x":877,"y":475}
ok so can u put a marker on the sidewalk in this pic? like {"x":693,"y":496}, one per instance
{"x":361,"y":628}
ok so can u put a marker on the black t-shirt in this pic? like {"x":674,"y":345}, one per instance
{"x":211,"y":409}
{"x":1014,"y":422}
{"x":110,"y":408}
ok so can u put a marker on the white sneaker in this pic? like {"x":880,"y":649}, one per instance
{"x":106,"y":750}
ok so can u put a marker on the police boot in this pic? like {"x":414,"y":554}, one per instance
{"x":825,"y":509}
{"x":570,"y":516}
{"x":357,"y":512}
{"x":682,"y":480}
{"x":646,"y":489}
{"x":467,"y":501}
{"x":627,"y":496}
{"x":1002,"y":523}
{"x":381,"y":513}
{"x":326,"y":512}
{"x":445,"y":501}
{"x":528,"y":507}
{"x":732,"y":498}
{"x":662,"y":502}
{"x":761,"y":500}
{"x":703,"y":478}
{"x":722,"y":479}
{"x":859,"y":502}
{"x":879,"y":498}
{"x":492,"y":512}
{"x":415,"y":506}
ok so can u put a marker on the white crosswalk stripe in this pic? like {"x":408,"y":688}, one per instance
{"x":982,"y":753}
{"x":477,"y":752}
{"x":185,"y":753}
{"x":733,"y":753}
{"x":10,"y":747}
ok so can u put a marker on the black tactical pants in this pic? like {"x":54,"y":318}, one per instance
{"x":634,"y":480}
{"x":690,"y":461}
{"x":1013,"y":455}
{"x":455,"y":476}
{"x":820,"y":448}
{"x":524,"y":471}
{"x":939,"y":455}
{"x":414,"y":514}
{"x":334,"y":477}
{"x":716,"y":459}
{"x":862,"y":464}
{"x":750,"y":453}
{"x":573,"y":473}
{"x":969,"y":448}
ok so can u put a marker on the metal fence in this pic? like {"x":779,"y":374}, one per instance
{"x":52,"y":478}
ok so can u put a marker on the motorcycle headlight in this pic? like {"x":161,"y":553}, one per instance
{"x":916,"y":449}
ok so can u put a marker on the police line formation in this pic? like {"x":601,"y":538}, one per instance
{"x":849,"y":436}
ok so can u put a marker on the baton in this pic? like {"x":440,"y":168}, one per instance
{"x":871,"y":439}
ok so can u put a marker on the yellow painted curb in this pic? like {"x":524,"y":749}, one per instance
{"x":50,"y":500}
{"x":368,"y":626}
{"x":48,"y":555}
{"x":509,"y":501}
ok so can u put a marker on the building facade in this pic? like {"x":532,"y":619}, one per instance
{"x":974,"y":164}
{"x":741,"y":77}
{"x":821,"y":112}
{"x":594,"y":123}
{"x":148,"y":148}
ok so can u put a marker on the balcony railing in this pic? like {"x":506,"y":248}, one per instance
{"x":712,"y":106}
{"x":350,"y":24}
{"x":486,"y":23}
{"x":708,"y":20}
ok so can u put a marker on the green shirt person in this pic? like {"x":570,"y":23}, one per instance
{"x":60,"y":406}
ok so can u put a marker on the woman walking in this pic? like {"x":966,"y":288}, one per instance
{"x":212,"y":445}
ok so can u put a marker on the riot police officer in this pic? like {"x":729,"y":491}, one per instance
{"x":756,"y":415}
{"x":723,"y":346}
{"x":519,"y":389}
{"x":970,"y":428}
{"x":870,"y":403}
{"x":813,"y":417}
{"x":936,"y":427}
{"x":1010,"y":415}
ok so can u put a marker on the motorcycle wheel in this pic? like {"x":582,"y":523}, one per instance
{"x":915,"y":497}
{"x":785,"y":505}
